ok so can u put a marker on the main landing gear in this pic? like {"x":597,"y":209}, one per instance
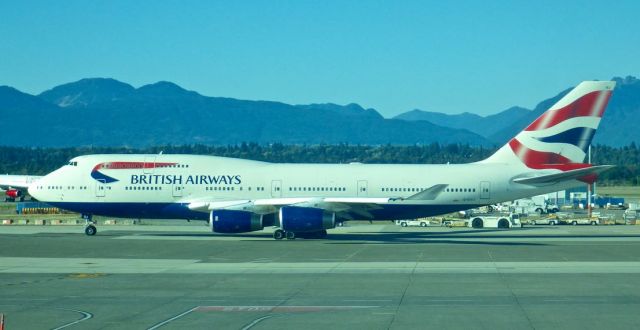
{"x":90,"y":228}
{"x":280,"y":234}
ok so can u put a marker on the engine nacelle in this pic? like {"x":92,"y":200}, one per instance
{"x":229,"y":221}
{"x":13,"y":193}
{"x":306,"y":219}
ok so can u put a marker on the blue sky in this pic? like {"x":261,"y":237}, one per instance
{"x":394,"y":56}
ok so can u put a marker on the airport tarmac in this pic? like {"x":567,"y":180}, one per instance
{"x":378,"y":276}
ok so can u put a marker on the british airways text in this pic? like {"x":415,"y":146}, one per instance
{"x":190,"y":179}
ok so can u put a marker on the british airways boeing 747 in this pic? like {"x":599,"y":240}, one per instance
{"x":237,"y":195}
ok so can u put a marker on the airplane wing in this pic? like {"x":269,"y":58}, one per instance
{"x":17,"y":181}
{"x":342,"y":205}
{"x":588,"y":175}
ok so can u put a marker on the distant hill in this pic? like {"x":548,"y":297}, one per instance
{"x":618,"y":127}
{"x":485,"y":126}
{"x":106,"y":112}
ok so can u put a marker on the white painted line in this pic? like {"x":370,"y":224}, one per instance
{"x":86,"y":315}
{"x":256,"y":321}
{"x":276,"y":308}
{"x":172,"y":319}
{"x":15,"y":265}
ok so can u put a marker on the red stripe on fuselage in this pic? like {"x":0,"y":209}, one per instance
{"x":582,"y":107}
{"x":130,"y":165}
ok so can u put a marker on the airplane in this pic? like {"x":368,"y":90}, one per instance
{"x":15,"y":186}
{"x":304,"y":200}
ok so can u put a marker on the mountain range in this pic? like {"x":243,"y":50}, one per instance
{"x":107,"y":112}
{"x":618,"y":126}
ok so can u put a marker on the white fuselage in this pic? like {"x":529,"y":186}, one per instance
{"x":162,"y":186}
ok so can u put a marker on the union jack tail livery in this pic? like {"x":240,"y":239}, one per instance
{"x":559,"y":138}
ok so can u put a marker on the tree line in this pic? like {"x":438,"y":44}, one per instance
{"x":40,"y":161}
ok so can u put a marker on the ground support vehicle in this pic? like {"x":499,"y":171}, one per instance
{"x":413,"y":222}
{"x":582,"y":221}
{"x":492,"y":220}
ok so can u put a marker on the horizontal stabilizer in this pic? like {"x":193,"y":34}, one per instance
{"x":587,"y":175}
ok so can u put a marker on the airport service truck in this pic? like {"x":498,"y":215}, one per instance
{"x":413,"y":222}
{"x":533,"y":205}
{"x":549,"y":220}
{"x":492,"y":220}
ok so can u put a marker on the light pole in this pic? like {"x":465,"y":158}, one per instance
{"x":589,"y":190}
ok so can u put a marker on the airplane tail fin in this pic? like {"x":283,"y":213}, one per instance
{"x":559,"y":138}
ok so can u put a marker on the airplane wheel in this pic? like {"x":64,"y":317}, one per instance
{"x":90,"y":230}
{"x":278,"y":234}
{"x":290,"y":235}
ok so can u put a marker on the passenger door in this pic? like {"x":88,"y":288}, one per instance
{"x":485,"y":190}
{"x":149,"y":164}
{"x":362,"y":188}
{"x":276,"y":188}
{"x":101,"y":188}
{"x":177,"y":190}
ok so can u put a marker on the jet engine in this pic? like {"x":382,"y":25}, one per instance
{"x":13,"y":193}
{"x":306,"y":219}
{"x":230,"y":221}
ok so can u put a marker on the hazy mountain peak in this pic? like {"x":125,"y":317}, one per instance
{"x":87,"y":91}
{"x":12,"y":99}
{"x":164,"y":89}
{"x":349,"y":110}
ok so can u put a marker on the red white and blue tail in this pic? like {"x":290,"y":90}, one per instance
{"x":560,"y":137}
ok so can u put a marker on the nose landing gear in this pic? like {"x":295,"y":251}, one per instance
{"x":90,"y":228}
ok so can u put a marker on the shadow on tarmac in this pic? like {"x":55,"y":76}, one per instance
{"x":471,"y":236}
{"x":373,"y":238}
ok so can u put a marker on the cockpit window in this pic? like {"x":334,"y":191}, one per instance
{"x":73,"y":164}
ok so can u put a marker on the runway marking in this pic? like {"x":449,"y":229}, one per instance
{"x":156,"y":326}
{"x":259,"y":309}
{"x":87,"y":275}
{"x":86,"y":315}
{"x":27,"y":265}
{"x":276,"y":308}
{"x":256,"y":321}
